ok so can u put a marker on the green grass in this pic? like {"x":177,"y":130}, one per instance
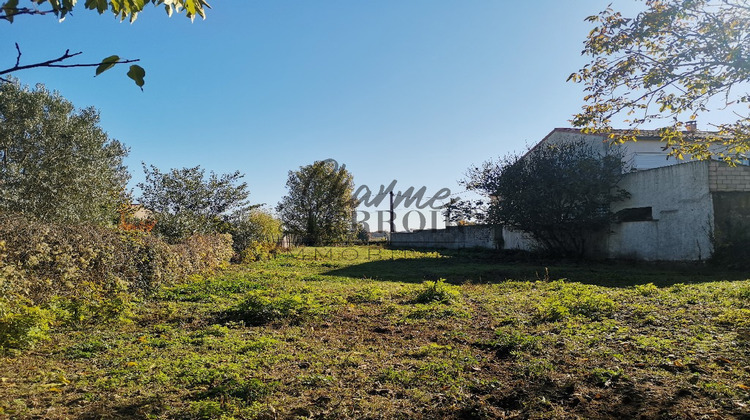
{"x":368,"y":332}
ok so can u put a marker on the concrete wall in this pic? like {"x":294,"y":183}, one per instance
{"x":452,"y":237}
{"x":682,"y":211}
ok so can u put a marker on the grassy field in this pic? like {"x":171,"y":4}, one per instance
{"x":372,"y":333}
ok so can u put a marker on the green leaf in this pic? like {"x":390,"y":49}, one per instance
{"x":137,"y":74}
{"x":107,"y":64}
{"x":10,"y":8}
{"x":99,"y":5}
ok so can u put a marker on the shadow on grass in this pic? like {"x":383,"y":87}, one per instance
{"x":487,"y":267}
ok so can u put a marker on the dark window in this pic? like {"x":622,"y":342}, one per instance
{"x":635,"y":214}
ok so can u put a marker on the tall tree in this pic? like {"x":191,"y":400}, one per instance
{"x":319,"y":204}
{"x":559,"y":194}
{"x":122,"y":9}
{"x":676,"y":60}
{"x":186,"y":202}
{"x":56,"y":163}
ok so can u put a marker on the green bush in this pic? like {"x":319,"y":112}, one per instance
{"x":92,"y":264}
{"x":258,"y":251}
{"x":22,"y":326}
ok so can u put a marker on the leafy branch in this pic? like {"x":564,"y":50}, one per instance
{"x":136,"y":72}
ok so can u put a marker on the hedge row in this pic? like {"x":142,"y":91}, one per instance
{"x":39,"y":261}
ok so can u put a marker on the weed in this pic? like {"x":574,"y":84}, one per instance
{"x":509,"y":340}
{"x":648,"y":289}
{"x":368,"y":294}
{"x":604,"y":377}
{"x":258,"y":308}
{"x":437,"y":311}
{"x":437,"y":291}
{"x":86,"y":349}
{"x":571,"y":299}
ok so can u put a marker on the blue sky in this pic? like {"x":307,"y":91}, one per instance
{"x":412,"y":90}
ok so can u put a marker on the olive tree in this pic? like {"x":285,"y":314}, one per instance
{"x":56,"y":163}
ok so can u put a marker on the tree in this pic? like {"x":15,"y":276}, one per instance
{"x":122,"y":9}
{"x":559,"y":194}
{"x":676,"y":60}
{"x":56,"y":163}
{"x":255,"y":225}
{"x":319,"y":205}
{"x":185,"y":202}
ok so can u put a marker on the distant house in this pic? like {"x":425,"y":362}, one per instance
{"x":677,"y":210}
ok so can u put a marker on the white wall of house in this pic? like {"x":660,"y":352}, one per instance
{"x":646,"y":153}
{"x":682,"y":212}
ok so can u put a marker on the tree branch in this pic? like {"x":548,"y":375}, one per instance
{"x":23,"y":11}
{"x":54,"y":63}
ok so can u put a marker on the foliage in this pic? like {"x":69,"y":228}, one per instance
{"x":122,"y":9}
{"x":259,"y":308}
{"x":557,"y":193}
{"x":21,"y":326}
{"x":185,"y":202}
{"x":258,"y":251}
{"x":437,"y":291}
{"x":96,"y":265}
{"x":675,"y":60}
{"x":319,"y":204}
{"x":253,"y":227}
{"x":56,"y":163}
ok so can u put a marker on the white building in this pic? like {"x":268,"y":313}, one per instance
{"x":677,"y":209}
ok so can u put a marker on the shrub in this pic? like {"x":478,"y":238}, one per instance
{"x":40,"y":261}
{"x":258,"y":251}
{"x":22,"y":326}
{"x":437,"y":291}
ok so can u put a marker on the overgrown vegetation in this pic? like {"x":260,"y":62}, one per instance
{"x":559,"y":194}
{"x":370,"y":332}
{"x":73,"y":274}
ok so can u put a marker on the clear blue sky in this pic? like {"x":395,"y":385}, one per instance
{"x":412,"y":90}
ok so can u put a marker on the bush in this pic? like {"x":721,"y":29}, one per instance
{"x":39,"y":261}
{"x":22,"y":326}
{"x":258,"y":251}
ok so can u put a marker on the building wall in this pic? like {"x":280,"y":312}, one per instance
{"x":725,"y":178}
{"x":452,"y":237}
{"x":682,"y":215}
{"x":643,"y":154}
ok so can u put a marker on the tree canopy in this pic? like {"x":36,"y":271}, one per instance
{"x":557,"y":193}
{"x":186,"y":202}
{"x":319,"y":204}
{"x":121,"y":9}
{"x":675,"y":61}
{"x":56,"y":163}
